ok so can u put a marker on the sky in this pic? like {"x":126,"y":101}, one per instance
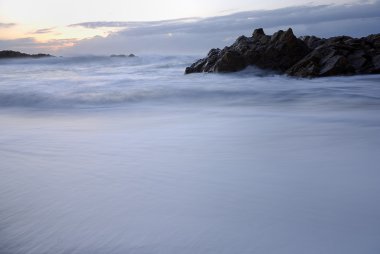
{"x":73,"y":27}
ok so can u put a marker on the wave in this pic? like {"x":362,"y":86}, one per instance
{"x":99,"y":81}
{"x":321,"y":97}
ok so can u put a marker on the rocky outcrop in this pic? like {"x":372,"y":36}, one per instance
{"x":307,"y":56}
{"x":341,"y":55}
{"x":16,"y":54}
{"x":130,"y":55}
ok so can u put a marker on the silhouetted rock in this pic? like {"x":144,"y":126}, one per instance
{"x":130,"y":55}
{"x":341,"y":55}
{"x":307,"y":56}
{"x":16,"y":54}
{"x":312,"y":42}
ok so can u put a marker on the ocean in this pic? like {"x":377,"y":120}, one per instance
{"x":129,"y":155}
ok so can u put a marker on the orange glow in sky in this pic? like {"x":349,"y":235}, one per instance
{"x":47,"y":20}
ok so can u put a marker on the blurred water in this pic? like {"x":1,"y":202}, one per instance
{"x":106,"y":155}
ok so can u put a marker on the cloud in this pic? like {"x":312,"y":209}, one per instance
{"x":100,"y":24}
{"x":30,"y":45}
{"x":131,"y":24}
{"x":198,"y":35}
{"x":246,"y":21}
{"x":22,"y":42}
{"x":7,"y":25}
{"x":44,"y":30}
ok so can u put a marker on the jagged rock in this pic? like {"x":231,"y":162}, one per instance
{"x":16,"y":54}
{"x":278,"y":52}
{"x":307,"y":56}
{"x":312,"y":42}
{"x":341,"y":55}
{"x":205,"y":64}
{"x":229,"y":62}
{"x":258,"y":32}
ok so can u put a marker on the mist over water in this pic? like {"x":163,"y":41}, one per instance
{"x":129,"y":155}
{"x":88,"y":82}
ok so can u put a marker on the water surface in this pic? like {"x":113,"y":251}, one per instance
{"x":106,"y":155}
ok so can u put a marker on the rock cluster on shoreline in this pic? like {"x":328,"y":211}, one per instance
{"x":16,"y":54}
{"x":307,"y":56}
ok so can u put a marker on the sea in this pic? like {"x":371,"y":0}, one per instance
{"x":130,"y":156}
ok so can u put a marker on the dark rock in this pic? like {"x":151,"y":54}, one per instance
{"x":230,"y":61}
{"x":313,"y":42}
{"x":16,"y":54}
{"x":358,"y":59}
{"x":336,"y":65}
{"x":258,"y":32}
{"x":118,"y":56}
{"x":307,"y":56}
{"x":376,"y":64}
{"x":205,"y":64}
{"x":340,"y":55}
{"x":277,"y":52}
{"x":130,"y":55}
{"x":122,"y":55}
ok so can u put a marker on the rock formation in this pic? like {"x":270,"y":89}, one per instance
{"x":130,"y":55}
{"x":16,"y":54}
{"x":307,"y":56}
